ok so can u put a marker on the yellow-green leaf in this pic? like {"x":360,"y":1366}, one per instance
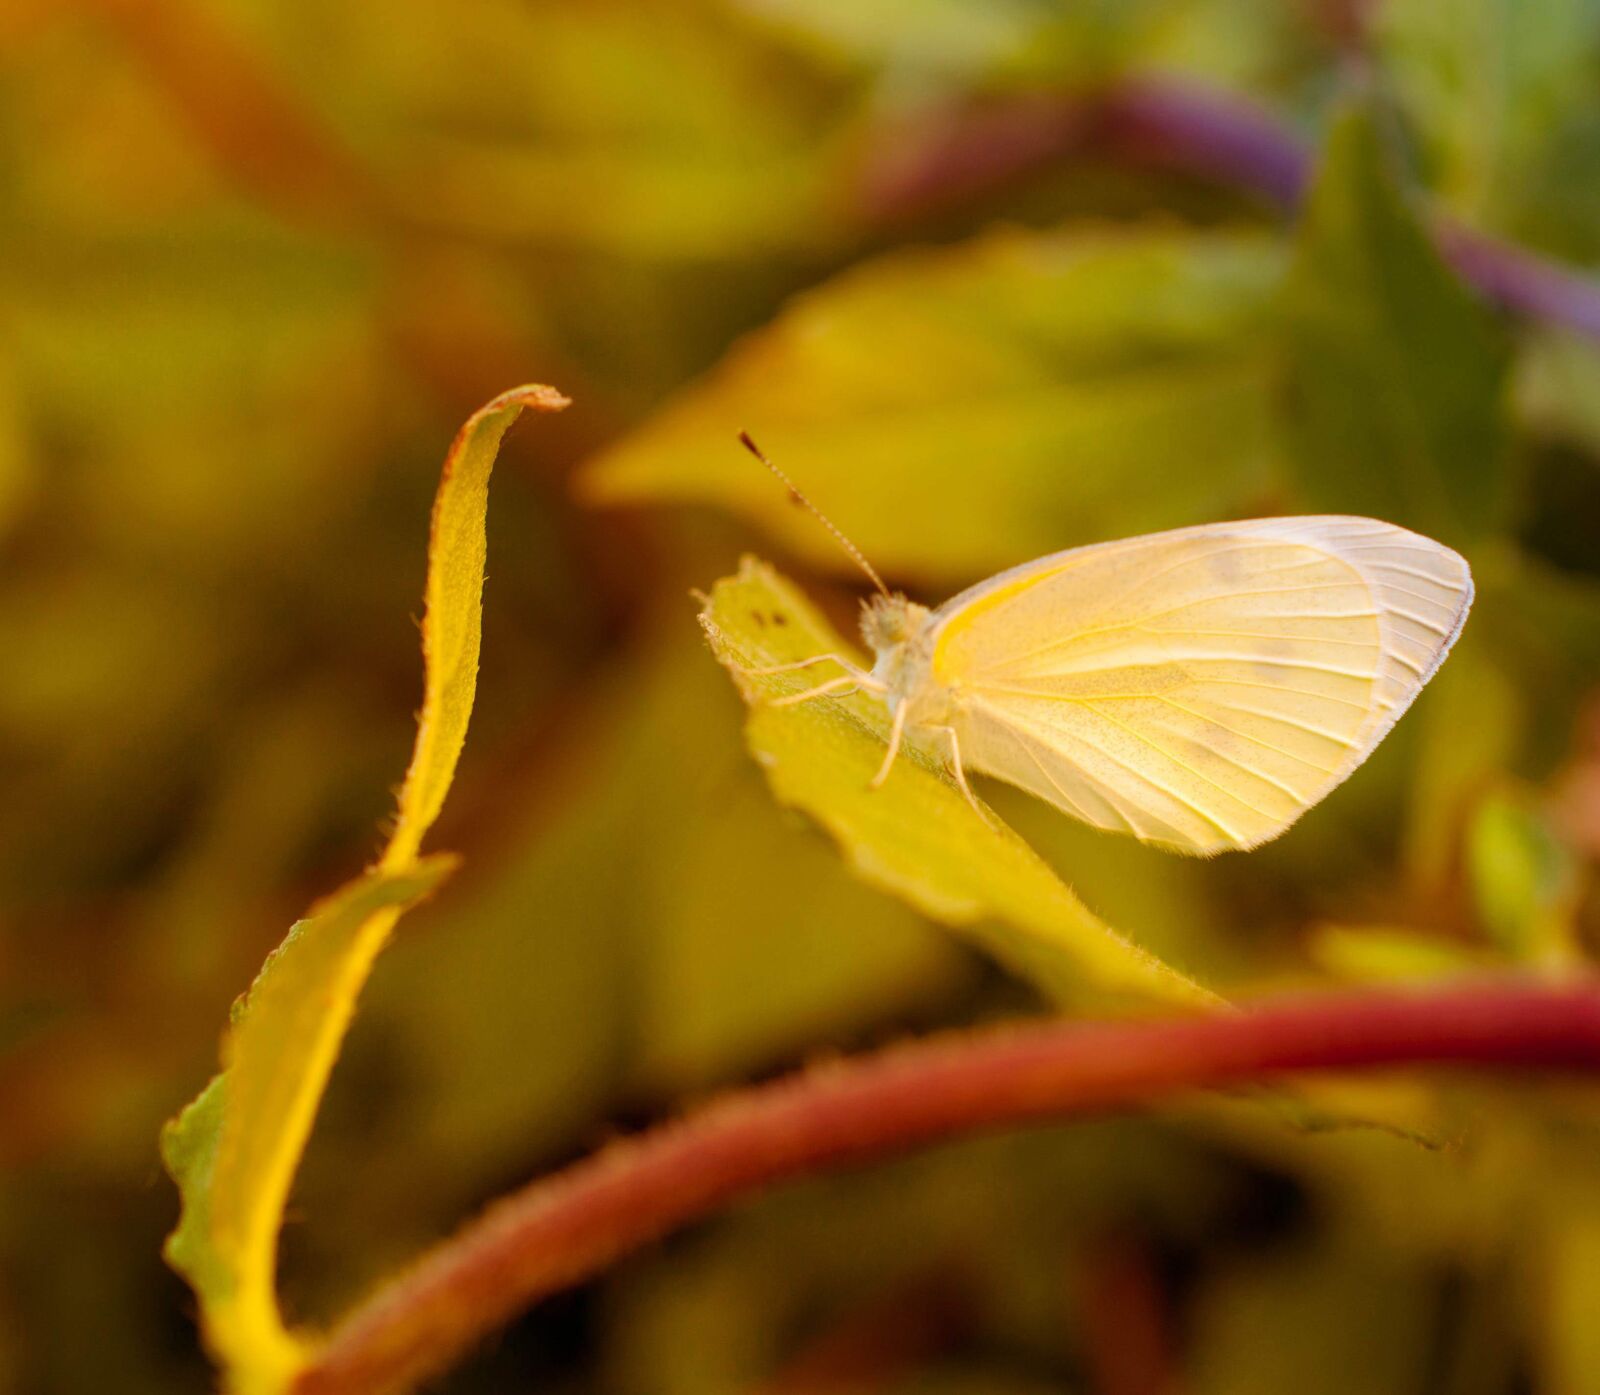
{"x":1495,"y":100}
{"x":234,"y":1151}
{"x":452,"y":626}
{"x":1526,"y":882}
{"x":964,"y":409}
{"x":1392,"y":953}
{"x":916,"y":837}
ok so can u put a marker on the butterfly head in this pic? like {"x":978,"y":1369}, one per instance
{"x":889,"y":621}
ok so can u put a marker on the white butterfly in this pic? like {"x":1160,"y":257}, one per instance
{"x":1199,"y":689}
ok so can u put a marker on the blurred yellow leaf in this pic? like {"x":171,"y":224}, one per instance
{"x":656,"y":133}
{"x":1385,"y":953}
{"x":916,"y":837}
{"x":964,"y":409}
{"x":234,"y":1151}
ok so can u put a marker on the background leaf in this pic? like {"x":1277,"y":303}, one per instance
{"x":1398,"y":373}
{"x":1494,"y":94}
{"x":1524,"y":880}
{"x":964,"y":409}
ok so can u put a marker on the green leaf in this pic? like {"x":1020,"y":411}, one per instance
{"x":1398,"y":374}
{"x":1497,"y":96}
{"x":1468,"y":728}
{"x":917,"y":837}
{"x":1524,"y":880}
{"x":1557,"y":387}
{"x":235,"y":1150}
{"x":964,"y":409}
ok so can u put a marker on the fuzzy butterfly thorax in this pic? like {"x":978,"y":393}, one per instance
{"x":900,"y":634}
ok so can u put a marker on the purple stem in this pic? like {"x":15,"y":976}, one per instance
{"x":1197,"y":131}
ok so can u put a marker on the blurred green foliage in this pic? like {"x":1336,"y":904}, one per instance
{"x":257,"y":262}
{"x":1397,"y":373}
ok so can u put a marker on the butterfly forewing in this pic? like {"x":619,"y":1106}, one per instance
{"x":1200,"y":688}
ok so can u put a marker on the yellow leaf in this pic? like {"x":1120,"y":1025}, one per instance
{"x":453,"y":623}
{"x":234,"y":1150}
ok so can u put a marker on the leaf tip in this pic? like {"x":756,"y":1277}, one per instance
{"x":538,"y":397}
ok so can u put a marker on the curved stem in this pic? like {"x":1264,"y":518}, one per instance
{"x":563,"y":1229}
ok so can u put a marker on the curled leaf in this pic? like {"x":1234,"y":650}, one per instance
{"x":234,"y":1150}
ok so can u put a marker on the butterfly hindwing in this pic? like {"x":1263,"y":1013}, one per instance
{"x":1200,"y":688}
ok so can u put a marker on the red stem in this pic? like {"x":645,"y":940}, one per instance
{"x":560,"y":1230}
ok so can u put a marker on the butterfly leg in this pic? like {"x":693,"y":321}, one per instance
{"x":897,"y":729}
{"x":842,"y":687}
{"x":799,"y":664}
{"x":861,"y":675}
{"x":960,"y":774}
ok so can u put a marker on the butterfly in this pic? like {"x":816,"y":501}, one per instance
{"x":1199,"y":689}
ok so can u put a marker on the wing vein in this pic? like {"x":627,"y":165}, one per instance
{"x":1067,"y":640}
{"x":1307,"y":727}
{"x":1138,"y":774}
{"x":1362,"y":707}
{"x":1420,"y":575}
{"x":1055,"y":784}
{"x":1182,"y":765}
{"x":1432,"y":550}
{"x":1265,"y":745}
{"x":1443,"y":631}
{"x":1253,"y":634}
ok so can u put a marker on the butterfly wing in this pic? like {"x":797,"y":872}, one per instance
{"x":1201,"y":688}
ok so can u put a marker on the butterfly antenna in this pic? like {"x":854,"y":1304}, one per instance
{"x":794,"y":493}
